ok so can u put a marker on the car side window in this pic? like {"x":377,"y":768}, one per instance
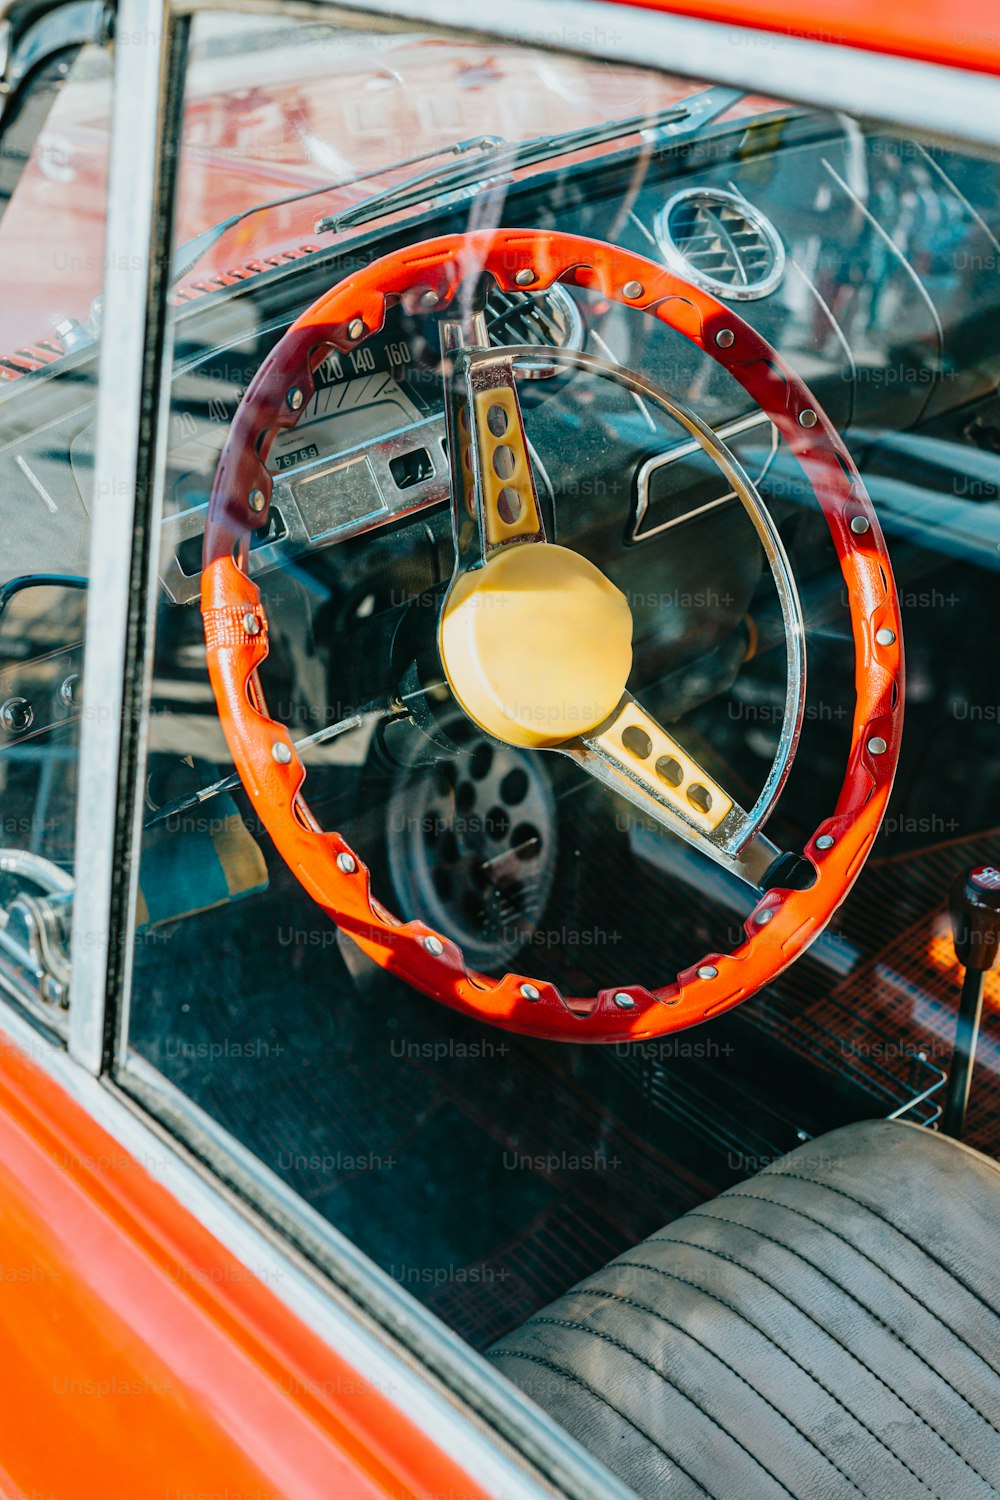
{"x":245,"y":998}
{"x":54,"y":138}
{"x":511,"y":842}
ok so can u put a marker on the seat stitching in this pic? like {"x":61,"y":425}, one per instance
{"x":652,"y":1311}
{"x":719,"y":1255}
{"x":811,"y":1374}
{"x":536,"y":1359}
{"x":842,"y":1193}
{"x":820,"y":1224}
{"x":696,"y":1213}
{"x":617,"y":1344}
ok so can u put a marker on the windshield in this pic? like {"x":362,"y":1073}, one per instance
{"x":277,"y":116}
{"x":483,"y":157}
{"x":52,"y":255}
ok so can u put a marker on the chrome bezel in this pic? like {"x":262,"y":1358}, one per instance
{"x":678,"y":261}
{"x":576,"y":334}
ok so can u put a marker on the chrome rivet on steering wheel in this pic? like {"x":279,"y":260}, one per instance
{"x":347,"y":863}
{"x":859,"y":525}
{"x":877,"y":745}
{"x":356,"y":328}
{"x":294,"y":398}
{"x":825,"y":841}
{"x":256,"y":501}
{"x":429,"y":298}
{"x":251,"y":624}
{"x":623,"y":1001}
{"x":281,"y":753}
{"x":885,"y":636}
{"x":633,"y":289}
{"x":763,"y":917}
{"x":525,"y":277}
{"x":530,"y":992}
{"x":434,"y":946}
{"x":708,"y":971}
{"x":725,"y":338}
{"x":807,"y":417}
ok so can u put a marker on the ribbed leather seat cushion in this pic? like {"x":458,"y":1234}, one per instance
{"x":828,"y":1329}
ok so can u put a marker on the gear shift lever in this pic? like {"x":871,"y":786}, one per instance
{"x":974,"y":900}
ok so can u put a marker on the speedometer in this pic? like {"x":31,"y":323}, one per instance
{"x":359,"y":396}
{"x":368,"y":448}
{"x":364,"y":451}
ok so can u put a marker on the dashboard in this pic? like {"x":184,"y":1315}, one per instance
{"x":858,"y":255}
{"x":840,"y":247}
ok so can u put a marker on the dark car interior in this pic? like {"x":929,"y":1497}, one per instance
{"x":487,"y":1172}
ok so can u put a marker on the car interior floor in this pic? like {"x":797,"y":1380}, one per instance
{"x":487,"y":1172}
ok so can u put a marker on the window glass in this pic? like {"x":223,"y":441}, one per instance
{"x":53,"y":173}
{"x":484,"y":1171}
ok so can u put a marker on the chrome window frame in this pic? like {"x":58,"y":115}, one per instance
{"x":474,"y":1414}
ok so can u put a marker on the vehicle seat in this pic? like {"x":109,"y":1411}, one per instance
{"x":827,"y":1329}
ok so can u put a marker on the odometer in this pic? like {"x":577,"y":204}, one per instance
{"x":300,"y":456}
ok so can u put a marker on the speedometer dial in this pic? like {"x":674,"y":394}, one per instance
{"x":368,"y":449}
{"x":355,"y":400}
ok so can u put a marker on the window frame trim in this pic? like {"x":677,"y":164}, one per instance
{"x":890,"y":88}
{"x":132,"y":407}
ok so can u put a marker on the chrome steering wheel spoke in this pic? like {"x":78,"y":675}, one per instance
{"x":493,"y":494}
{"x":495,"y":508}
{"x":636,"y":757}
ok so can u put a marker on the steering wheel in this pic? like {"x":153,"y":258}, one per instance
{"x":536,"y":643}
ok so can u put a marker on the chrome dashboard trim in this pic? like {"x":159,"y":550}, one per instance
{"x":685,"y":449}
{"x":380,"y":492}
{"x":386,"y":503}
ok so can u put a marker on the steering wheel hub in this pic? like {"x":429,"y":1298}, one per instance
{"x":536,"y":645}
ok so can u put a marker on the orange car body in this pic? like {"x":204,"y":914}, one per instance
{"x":965,"y":37}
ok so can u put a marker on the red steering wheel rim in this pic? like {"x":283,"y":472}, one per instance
{"x":784,"y":922}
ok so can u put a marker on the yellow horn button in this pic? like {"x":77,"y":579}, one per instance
{"x":537,"y":644}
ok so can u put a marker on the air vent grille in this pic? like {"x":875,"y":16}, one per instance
{"x":550,"y":317}
{"x":721,"y":242}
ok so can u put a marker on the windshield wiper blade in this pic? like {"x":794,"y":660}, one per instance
{"x":502,"y":156}
{"x":187,"y":256}
{"x":695,"y":112}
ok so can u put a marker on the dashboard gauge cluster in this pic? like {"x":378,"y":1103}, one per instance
{"x":368,"y":449}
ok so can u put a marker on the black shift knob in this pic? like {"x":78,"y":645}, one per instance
{"x":974,"y":900}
